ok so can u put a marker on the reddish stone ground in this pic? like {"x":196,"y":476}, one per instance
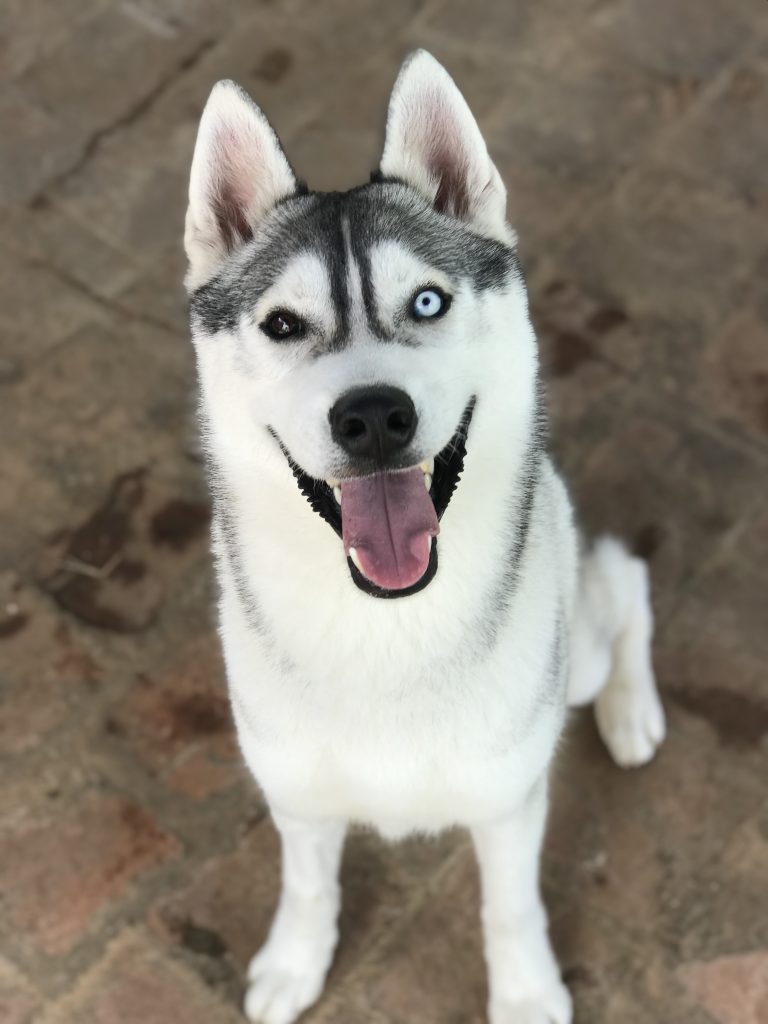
{"x":137,"y":867}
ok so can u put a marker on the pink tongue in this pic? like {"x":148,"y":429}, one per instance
{"x":389,"y":519}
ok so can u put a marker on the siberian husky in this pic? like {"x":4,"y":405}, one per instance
{"x":404,"y":611}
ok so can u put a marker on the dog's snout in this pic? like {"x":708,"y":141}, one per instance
{"x":374,"y":422}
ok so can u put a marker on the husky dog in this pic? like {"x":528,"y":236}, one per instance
{"x":403,"y":616}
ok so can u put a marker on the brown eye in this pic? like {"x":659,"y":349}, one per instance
{"x":282,"y":325}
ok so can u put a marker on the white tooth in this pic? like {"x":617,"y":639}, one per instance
{"x":428,"y":466}
{"x":355,"y":559}
{"x":427,"y":480}
{"x":337,"y":494}
{"x":332,"y":481}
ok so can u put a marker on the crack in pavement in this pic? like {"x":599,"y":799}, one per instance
{"x":111,"y":305}
{"x":131,"y":115}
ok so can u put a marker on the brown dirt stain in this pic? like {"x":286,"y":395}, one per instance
{"x":200,"y":940}
{"x":80,"y":596}
{"x":568,"y":351}
{"x":648,"y":540}
{"x":198,"y":714}
{"x":130,"y":571}
{"x":179,"y":522}
{"x":143,"y":841}
{"x":103,"y":535}
{"x":80,"y":664}
{"x":740,"y":721}
{"x":10,"y":625}
{"x":606,"y":319}
{"x":113,"y":726}
{"x":93,"y":580}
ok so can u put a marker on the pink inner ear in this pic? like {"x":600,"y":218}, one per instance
{"x":446,"y":161}
{"x":232,"y":190}
{"x":230,"y":216}
{"x":452,"y":194}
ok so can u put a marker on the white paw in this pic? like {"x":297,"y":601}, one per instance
{"x":552,"y":1007}
{"x":631,"y":722}
{"x":279,"y":994}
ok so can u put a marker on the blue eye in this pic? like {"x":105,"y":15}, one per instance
{"x":430,"y":302}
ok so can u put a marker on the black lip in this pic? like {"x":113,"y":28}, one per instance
{"x":449,"y":464}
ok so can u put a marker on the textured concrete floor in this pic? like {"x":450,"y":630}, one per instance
{"x":137,"y":869}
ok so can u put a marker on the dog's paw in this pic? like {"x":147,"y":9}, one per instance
{"x":281,"y":988}
{"x":631,"y":722}
{"x":553,"y":1007}
{"x":280,"y":995}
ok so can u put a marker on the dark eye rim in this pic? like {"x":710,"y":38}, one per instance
{"x":298,"y":327}
{"x":444,"y":296}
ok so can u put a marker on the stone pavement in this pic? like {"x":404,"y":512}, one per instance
{"x":137,"y":867}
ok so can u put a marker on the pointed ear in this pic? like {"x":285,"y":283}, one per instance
{"x":434,"y":144}
{"x":239,"y":171}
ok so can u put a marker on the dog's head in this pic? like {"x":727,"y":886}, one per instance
{"x":358,"y":331}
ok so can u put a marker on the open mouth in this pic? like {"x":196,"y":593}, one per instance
{"x":389,"y":520}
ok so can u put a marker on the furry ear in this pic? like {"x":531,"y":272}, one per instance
{"x":433,"y":143}
{"x":239,"y":171}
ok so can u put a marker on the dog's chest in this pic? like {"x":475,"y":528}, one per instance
{"x":407,"y":715}
{"x":423,"y":755}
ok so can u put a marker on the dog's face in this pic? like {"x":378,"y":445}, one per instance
{"x":353,"y":324}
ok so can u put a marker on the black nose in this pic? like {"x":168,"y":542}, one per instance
{"x":374,"y":422}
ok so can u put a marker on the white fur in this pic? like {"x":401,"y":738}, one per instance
{"x":233,"y":138}
{"x":524,"y":981}
{"x":391,"y":713}
{"x":433,"y":140}
{"x":287,"y":975}
{"x":610,"y":653}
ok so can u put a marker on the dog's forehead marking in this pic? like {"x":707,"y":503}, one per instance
{"x":362,"y":259}
{"x":355,"y":287}
{"x":315,"y":222}
{"x":332,"y":239}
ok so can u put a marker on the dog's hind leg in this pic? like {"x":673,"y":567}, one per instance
{"x":610,"y":658}
{"x":287,"y":975}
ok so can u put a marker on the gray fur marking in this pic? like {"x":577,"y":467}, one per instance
{"x":367,"y":215}
{"x":227,"y":549}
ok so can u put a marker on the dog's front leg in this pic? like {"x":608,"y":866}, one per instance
{"x":523,"y":977}
{"x":287,"y":974}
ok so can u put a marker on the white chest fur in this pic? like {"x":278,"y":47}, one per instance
{"x":419,"y":714}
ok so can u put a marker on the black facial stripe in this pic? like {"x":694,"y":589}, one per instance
{"x":337,"y":262}
{"x":363,"y":261}
{"x":312,"y":222}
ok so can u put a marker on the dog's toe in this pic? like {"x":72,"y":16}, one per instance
{"x":553,"y":1008}
{"x":631,"y":724}
{"x":280,"y":996}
